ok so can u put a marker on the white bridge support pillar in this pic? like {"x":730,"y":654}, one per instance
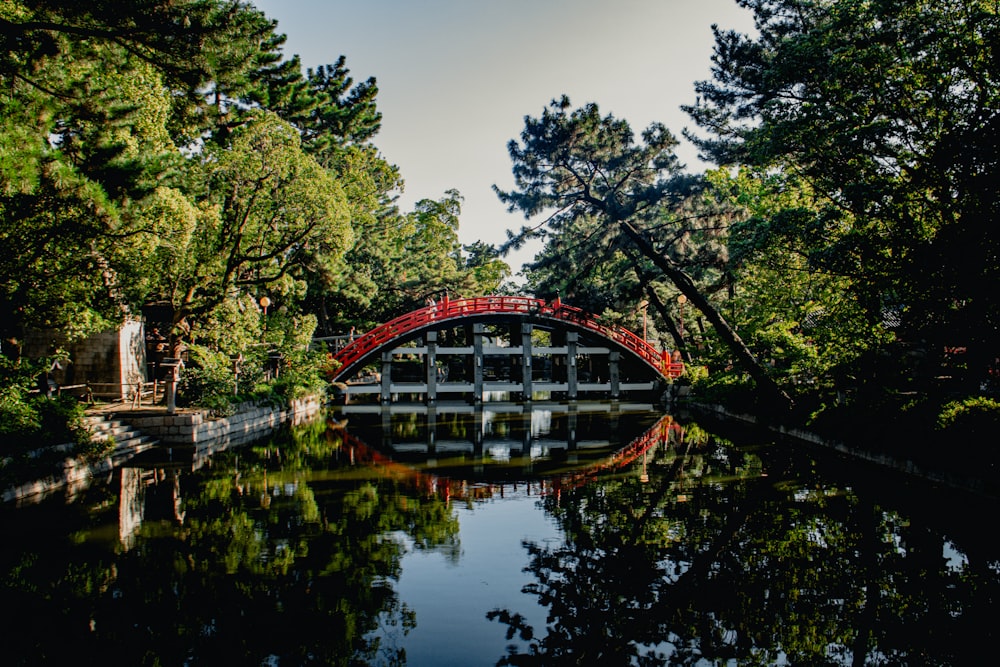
{"x":478,"y":329}
{"x":526,"y":353}
{"x":572,"y":340}
{"x":387,"y":376}
{"x":430,"y":366}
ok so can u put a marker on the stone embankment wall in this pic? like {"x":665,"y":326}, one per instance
{"x":189,"y":428}
{"x":249,"y":422}
{"x":74,"y":476}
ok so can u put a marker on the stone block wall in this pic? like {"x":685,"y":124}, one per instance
{"x":111,"y":361}
{"x":250,"y":422}
{"x":187,"y":428}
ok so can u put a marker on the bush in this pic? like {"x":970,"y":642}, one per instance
{"x":209,"y":382}
{"x":972,"y":416}
{"x":16,"y":415}
{"x":301,"y":375}
{"x":37,"y":421}
{"x":32,"y":421}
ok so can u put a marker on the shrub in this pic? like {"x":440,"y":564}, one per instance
{"x":32,"y":421}
{"x":301,"y":375}
{"x":16,"y":415}
{"x":208,"y":380}
{"x":974,"y":415}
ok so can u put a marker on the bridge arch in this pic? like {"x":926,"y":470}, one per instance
{"x":375,"y":345}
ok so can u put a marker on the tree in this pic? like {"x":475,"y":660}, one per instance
{"x":96,"y":96}
{"x":889,"y":111}
{"x":805,"y":316}
{"x":488,"y":271}
{"x":345,"y":114}
{"x":68,"y":213}
{"x":179,"y":38}
{"x":268,"y":210}
{"x":434,"y":260}
{"x":336,"y":121}
{"x":579,"y":165}
{"x":342,"y":293}
{"x":604,"y":273}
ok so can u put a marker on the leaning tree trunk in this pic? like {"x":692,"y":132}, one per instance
{"x":686,"y":285}
{"x":645,"y":279}
{"x":675,"y":332}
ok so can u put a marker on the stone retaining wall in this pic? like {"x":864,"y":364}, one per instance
{"x":188,"y":428}
{"x":249,"y":422}
{"x":111,"y":361}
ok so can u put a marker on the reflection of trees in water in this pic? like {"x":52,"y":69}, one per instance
{"x":269,"y":566}
{"x":715,"y":561}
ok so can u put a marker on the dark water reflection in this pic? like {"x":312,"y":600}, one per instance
{"x":583,"y":536}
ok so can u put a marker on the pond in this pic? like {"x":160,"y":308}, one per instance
{"x":539,"y":534}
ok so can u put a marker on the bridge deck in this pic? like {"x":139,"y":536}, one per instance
{"x":508,"y":387}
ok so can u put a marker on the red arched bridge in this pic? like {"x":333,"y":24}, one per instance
{"x":446,"y":347}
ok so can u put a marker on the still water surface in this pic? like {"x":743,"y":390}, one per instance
{"x":589,"y":534}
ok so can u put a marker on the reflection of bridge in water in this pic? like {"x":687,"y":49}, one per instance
{"x":506,"y":440}
{"x":456,"y":451}
{"x":518,"y":345}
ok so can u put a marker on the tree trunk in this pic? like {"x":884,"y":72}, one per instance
{"x":675,"y":332}
{"x":645,"y":278}
{"x":684,"y":283}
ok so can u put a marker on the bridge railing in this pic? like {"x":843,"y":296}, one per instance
{"x":453,"y":309}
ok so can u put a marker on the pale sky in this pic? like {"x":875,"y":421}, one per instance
{"x":457,"y":77}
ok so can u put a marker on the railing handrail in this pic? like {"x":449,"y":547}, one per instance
{"x":450,"y":309}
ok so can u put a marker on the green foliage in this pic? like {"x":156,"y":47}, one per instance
{"x":806,"y":320}
{"x":695,"y":374}
{"x":30,"y":420}
{"x":976,"y":415}
{"x":270,"y":209}
{"x":61,"y":421}
{"x":166,"y":152}
{"x":301,"y":375}
{"x":400,"y":260}
{"x":232,"y":327}
{"x":208,"y":381}
{"x":93,"y":95}
{"x":605,"y":189}
{"x":37,"y":422}
{"x":732,"y":390}
{"x":488,"y":271}
{"x":17,"y":379}
{"x":342,"y":114}
{"x":888,"y":111}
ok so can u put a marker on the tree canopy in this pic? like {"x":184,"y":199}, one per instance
{"x":592,"y":179}
{"x":889,"y":112}
{"x":169,"y":153}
